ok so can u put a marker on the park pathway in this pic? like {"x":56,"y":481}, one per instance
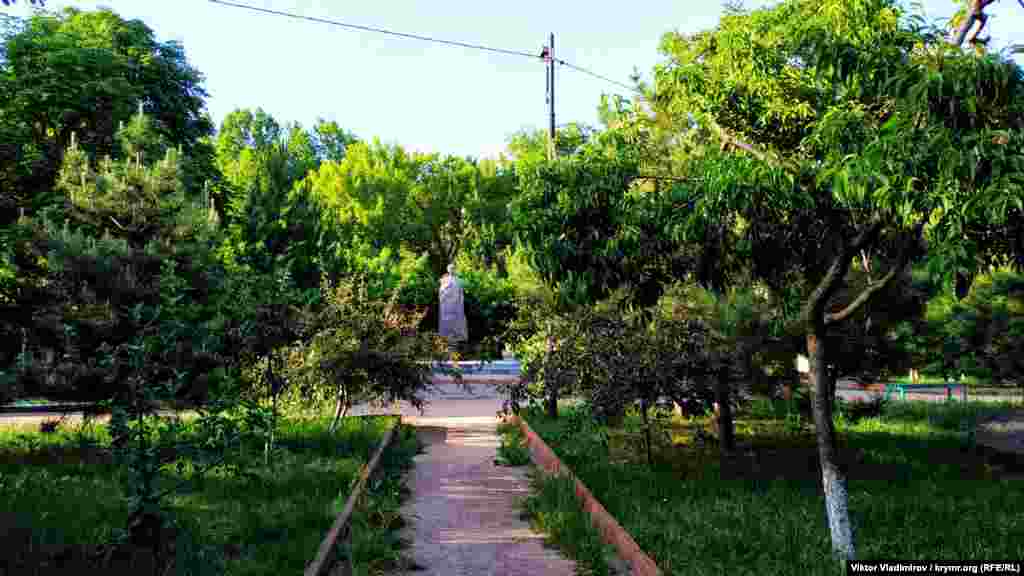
{"x":465,"y":518}
{"x":464,"y":514}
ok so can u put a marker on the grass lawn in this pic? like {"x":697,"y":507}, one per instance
{"x":918,"y":490}
{"x":61,"y":501}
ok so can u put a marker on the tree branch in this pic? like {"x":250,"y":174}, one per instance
{"x":672,"y":178}
{"x":975,"y":13}
{"x":762,"y":155}
{"x":863,"y":297}
{"x":875,"y":287}
{"x":828,"y":285}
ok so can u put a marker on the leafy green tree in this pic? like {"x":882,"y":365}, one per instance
{"x":861,"y":121}
{"x":331,"y":141}
{"x":533,"y":145}
{"x":271,"y":216}
{"x":363,"y":350}
{"x":585,"y":227}
{"x":86,"y":73}
{"x":383,"y":196}
{"x":488,"y":230}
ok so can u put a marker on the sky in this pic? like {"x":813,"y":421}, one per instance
{"x":431,"y":97}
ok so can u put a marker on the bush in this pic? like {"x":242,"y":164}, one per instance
{"x":614,"y":354}
{"x":981,"y":336}
{"x":361,"y":349}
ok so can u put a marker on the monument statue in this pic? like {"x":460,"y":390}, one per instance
{"x":452,"y":316}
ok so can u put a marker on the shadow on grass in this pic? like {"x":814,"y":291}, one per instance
{"x":918,"y":489}
{"x":64,"y":504}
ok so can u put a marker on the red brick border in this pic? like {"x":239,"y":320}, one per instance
{"x":611,"y":531}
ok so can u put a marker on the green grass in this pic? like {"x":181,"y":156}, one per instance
{"x":917,"y":490}
{"x":512,"y":451}
{"x":61,"y":493}
{"x":554,"y":510}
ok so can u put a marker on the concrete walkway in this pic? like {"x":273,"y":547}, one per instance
{"x":465,"y":518}
{"x":464,"y":513}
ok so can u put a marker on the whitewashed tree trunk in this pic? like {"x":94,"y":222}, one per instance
{"x":833,"y":478}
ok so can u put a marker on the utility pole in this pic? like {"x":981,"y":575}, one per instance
{"x":551,"y":102}
{"x":548,"y":54}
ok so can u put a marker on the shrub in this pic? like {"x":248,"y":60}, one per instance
{"x":362,"y":349}
{"x":981,"y":336}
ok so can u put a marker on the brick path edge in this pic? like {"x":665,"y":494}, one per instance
{"x":611,"y":531}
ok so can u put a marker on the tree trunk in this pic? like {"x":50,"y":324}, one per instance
{"x":832,"y":476}
{"x":726,"y":437}
{"x":340,"y":408}
{"x":647,"y":432}
{"x":552,"y":401}
{"x":269,"y":445}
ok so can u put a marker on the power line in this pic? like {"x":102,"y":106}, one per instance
{"x":421,"y":37}
{"x":378,"y":30}
{"x":596,"y":75}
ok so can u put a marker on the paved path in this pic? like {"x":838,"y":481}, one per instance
{"x":463,"y":513}
{"x":1003,"y":432}
{"x":464,"y":510}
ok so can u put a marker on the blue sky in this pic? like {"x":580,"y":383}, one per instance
{"x":431,"y":97}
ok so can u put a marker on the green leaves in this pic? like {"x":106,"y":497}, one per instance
{"x":86,"y":73}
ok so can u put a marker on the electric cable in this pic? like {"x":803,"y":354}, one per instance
{"x":378,"y":30}
{"x":424,"y":38}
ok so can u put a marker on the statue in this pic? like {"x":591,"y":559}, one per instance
{"x":452,"y":316}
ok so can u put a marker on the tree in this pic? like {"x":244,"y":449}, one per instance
{"x":573,"y":216}
{"x":86,"y":73}
{"x":974,"y":13}
{"x":363,"y":350}
{"x":331,"y":141}
{"x":533,"y":144}
{"x":382,"y":196}
{"x":858,"y":120}
{"x":124,"y":220}
{"x":270,"y":215}
{"x":132,"y":310}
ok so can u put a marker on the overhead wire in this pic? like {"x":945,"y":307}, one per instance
{"x":377,"y":30}
{"x":472,"y":46}
{"x":596,"y":75}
